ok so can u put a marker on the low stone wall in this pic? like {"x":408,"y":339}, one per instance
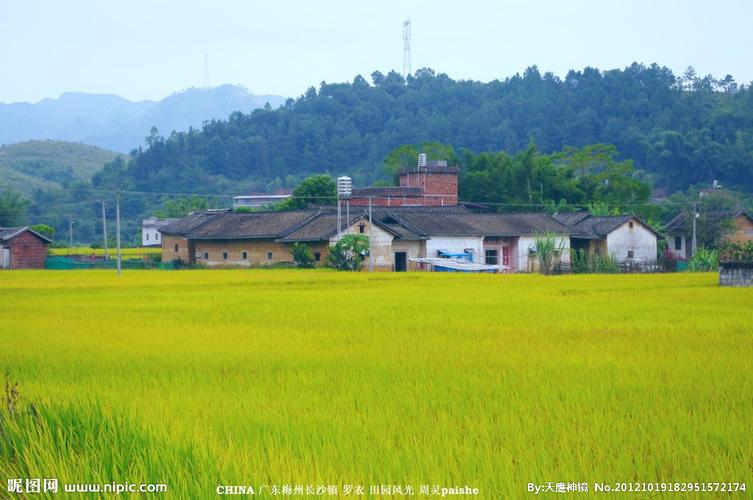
{"x":736,"y":274}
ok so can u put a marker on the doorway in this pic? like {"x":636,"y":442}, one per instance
{"x":5,"y":262}
{"x":401,"y":262}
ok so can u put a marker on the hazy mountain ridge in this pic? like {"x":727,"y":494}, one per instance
{"x":113,"y":122}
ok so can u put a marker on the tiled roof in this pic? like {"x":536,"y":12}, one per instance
{"x":406,"y":223}
{"x":180,"y":227}
{"x":597,"y":227}
{"x":570,"y":218}
{"x":469,"y":224}
{"x":254,"y":225}
{"x":7,"y":233}
{"x":681,"y":223}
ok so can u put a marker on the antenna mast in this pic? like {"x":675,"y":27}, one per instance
{"x":406,"y":48}
{"x":207,"y":85}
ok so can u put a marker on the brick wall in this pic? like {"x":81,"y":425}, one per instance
{"x":27,"y":252}
{"x":440,"y":189}
{"x":169,"y":252}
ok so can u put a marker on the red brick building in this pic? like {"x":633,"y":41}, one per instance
{"x":22,"y":248}
{"x":428,"y":184}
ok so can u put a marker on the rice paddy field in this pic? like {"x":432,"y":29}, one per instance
{"x":197,"y":379}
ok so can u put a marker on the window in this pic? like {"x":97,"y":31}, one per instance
{"x":147,"y":236}
{"x":176,"y":247}
{"x":317,"y":256}
{"x":206,"y":255}
{"x":492,"y":257}
{"x":678,"y":242}
{"x":361,"y":227}
{"x":269,"y":255}
{"x":224,"y":255}
{"x":630,"y":224}
{"x":631,"y":254}
{"x":244,"y":255}
{"x":156,"y":237}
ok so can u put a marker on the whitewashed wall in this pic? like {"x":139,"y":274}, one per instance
{"x":526,"y":242}
{"x":682,"y":252}
{"x":150,"y":236}
{"x":381,"y":243}
{"x":456,"y":244}
{"x":639,"y":239}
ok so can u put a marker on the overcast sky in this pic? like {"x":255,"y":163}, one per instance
{"x":148,"y":49}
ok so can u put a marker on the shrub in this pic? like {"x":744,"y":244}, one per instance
{"x":736,"y":252}
{"x":604,"y":264}
{"x":302,"y":256}
{"x":348,"y":253}
{"x":547,"y":252}
{"x":668,"y":261}
{"x":704,"y":260}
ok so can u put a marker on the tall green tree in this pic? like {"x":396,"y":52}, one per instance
{"x":315,"y":190}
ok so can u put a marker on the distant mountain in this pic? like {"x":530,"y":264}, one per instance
{"x":115,"y":123}
{"x":45,"y":165}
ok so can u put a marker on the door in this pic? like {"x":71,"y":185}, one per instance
{"x":505,"y":256}
{"x":5,"y":263}
{"x":401,"y":262}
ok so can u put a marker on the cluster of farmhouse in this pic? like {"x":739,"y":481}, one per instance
{"x":409,"y":226}
{"x":417,"y":220}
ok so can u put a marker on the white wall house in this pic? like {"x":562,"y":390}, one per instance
{"x":150,"y":235}
{"x":632,"y":241}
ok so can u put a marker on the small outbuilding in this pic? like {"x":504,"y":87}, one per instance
{"x":22,"y":248}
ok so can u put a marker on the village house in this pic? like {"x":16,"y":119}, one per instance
{"x":399,"y":236}
{"x":22,"y":248}
{"x":679,"y":230}
{"x":625,"y":238}
{"x":150,"y":235}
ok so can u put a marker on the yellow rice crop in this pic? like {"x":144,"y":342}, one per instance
{"x":203,"y":378}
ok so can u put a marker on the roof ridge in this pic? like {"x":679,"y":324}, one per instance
{"x":302,"y":223}
{"x":407,"y":225}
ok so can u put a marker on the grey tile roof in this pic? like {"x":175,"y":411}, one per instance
{"x":470,"y":224}
{"x":406,"y":223}
{"x":181,"y":226}
{"x":682,"y":223}
{"x":254,"y":225}
{"x":570,"y":218}
{"x":597,"y":227}
{"x":8,"y":233}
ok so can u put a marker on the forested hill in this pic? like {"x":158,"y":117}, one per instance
{"x":679,"y":130}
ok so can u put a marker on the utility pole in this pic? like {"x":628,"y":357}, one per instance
{"x":117,"y":228}
{"x":371,"y":257}
{"x":347,"y":214}
{"x":104,"y":229}
{"x":695,"y":215}
{"x":70,"y":235}
{"x":339,"y":218}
